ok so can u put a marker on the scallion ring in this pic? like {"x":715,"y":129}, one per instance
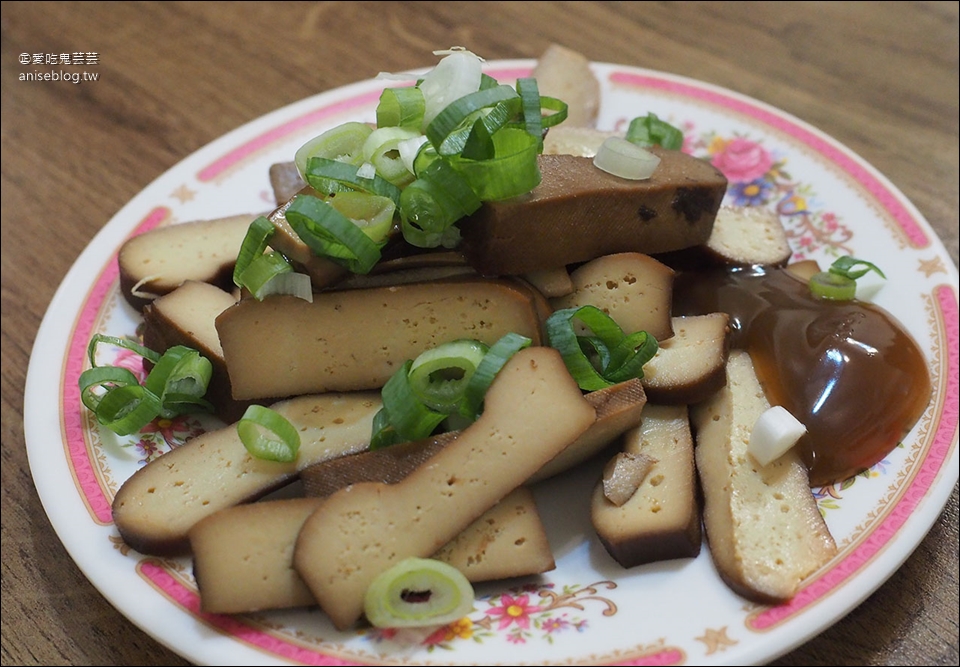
{"x":329,"y":233}
{"x":254,"y":244}
{"x":499,"y":353}
{"x":268,"y":435}
{"x":439,"y":376}
{"x":411,"y":418}
{"x":401,"y":107}
{"x":343,"y":143}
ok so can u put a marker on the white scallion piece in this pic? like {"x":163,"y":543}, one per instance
{"x":774,"y":432}
{"x":622,"y":158}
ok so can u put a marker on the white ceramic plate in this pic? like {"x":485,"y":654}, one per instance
{"x":589,"y":610}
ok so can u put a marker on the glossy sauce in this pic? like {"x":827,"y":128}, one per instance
{"x":847,"y":370}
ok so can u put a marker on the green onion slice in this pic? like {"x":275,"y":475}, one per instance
{"x":650,"y":130}
{"x":180,"y":379}
{"x":558,"y":109}
{"x":127,"y":409}
{"x":512,"y":171}
{"x":126,"y":344}
{"x":453,"y":116}
{"x":401,"y":107}
{"x":373,"y":214}
{"x":254,"y":244}
{"x":603,"y":359}
{"x":384,"y":434}
{"x":439,"y":376}
{"x":268,"y":435}
{"x":418,"y":592}
{"x":431,"y":205}
{"x":498,"y":355}
{"x":261,"y":271}
{"x":839,"y":282}
{"x":329,"y":233}
{"x":381,"y":149}
{"x":343,"y":143}
{"x":322,"y":171}
{"x":409,"y":416}
{"x":833,"y":286}
{"x":530,"y":99}
{"x":175,"y":385}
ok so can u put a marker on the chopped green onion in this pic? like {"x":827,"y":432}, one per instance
{"x":381,"y":149}
{"x":401,"y":107}
{"x":558,"y":107}
{"x":610,"y":356}
{"x":530,"y":98}
{"x":267,"y":434}
{"x":411,"y":419}
{"x":625,"y":159}
{"x":431,"y":205}
{"x":839,"y":282}
{"x":322,"y":171}
{"x":439,"y":376}
{"x":649,"y":130}
{"x":175,"y":385}
{"x":448,"y":121}
{"x":495,"y":358}
{"x":180,"y":379}
{"x":418,"y":592}
{"x":329,"y":233}
{"x":261,"y":271}
{"x":373,"y":214}
{"x":127,"y":409}
{"x":343,"y":143}
{"x":288,"y":283}
{"x":144,"y":352}
{"x":384,"y":434}
{"x":255,"y":242}
{"x":512,"y":171}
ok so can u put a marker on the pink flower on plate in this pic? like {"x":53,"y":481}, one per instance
{"x":742,"y":160}
{"x":513,"y":610}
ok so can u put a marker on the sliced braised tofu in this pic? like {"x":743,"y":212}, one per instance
{"x":749,"y":236}
{"x":156,"y":507}
{"x":533,"y":410}
{"x":186,"y":316}
{"x":243,"y":555}
{"x":356,"y":339}
{"x":661,"y":519}
{"x":580,"y":212}
{"x":765,"y":532}
{"x":160,"y":260}
{"x":690,"y":366}
{"x":634,"y":289}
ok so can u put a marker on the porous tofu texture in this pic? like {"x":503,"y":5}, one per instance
{"x":765,"y":532}
{"x":355,"y":340}
{"x":156,"y":507}
{"x":533,"y":410}
{"x":661,"y":520}
{"x":160,"y":260}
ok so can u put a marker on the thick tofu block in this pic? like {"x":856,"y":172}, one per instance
{"x":579,"y":212}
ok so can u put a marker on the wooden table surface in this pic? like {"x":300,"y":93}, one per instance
{"x":882,"y":78}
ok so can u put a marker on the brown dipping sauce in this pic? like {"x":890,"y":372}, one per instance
{"x":846,"y":369}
